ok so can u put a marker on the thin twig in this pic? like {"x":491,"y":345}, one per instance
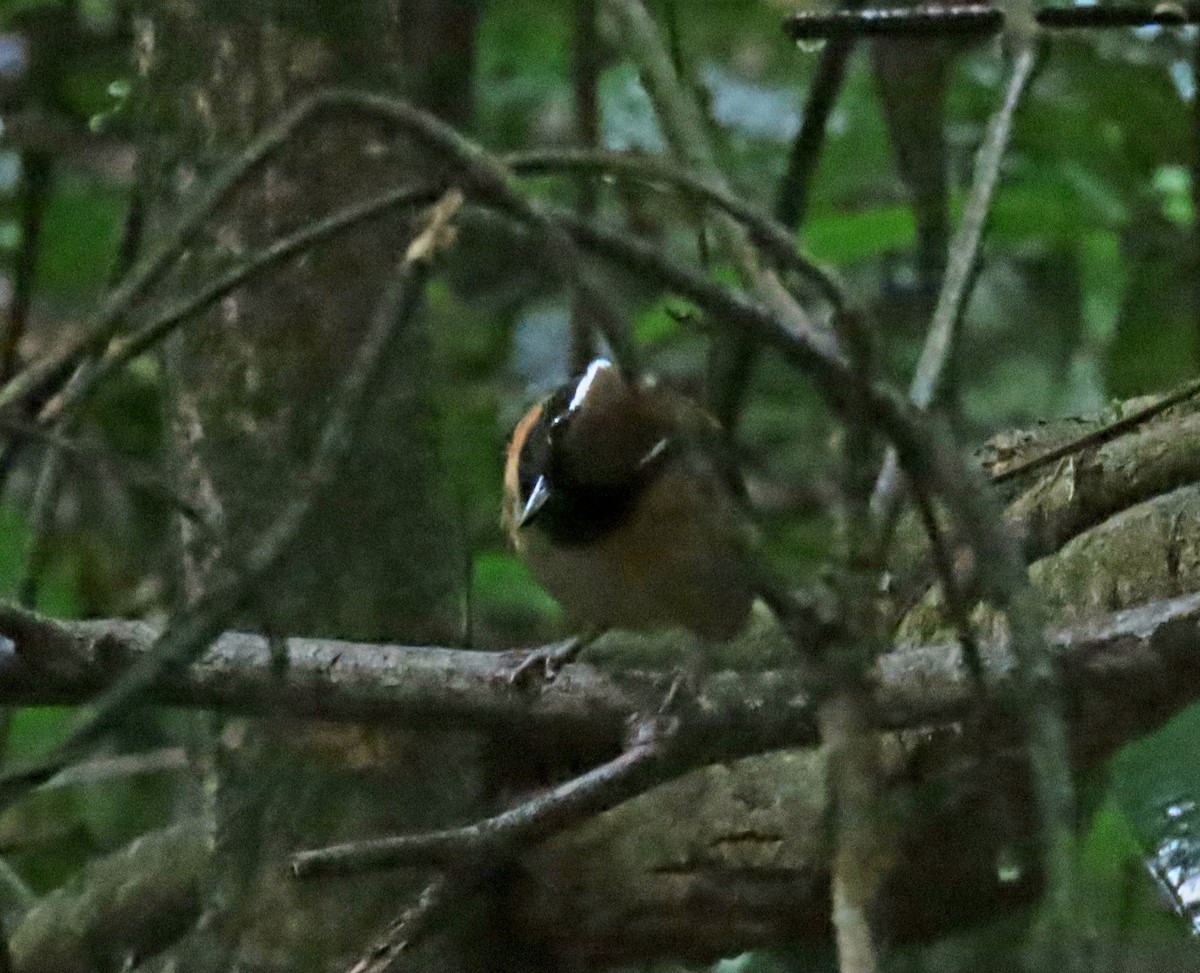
{"x":792,"y":197}
{"x":956,"y":606}
{"x":122,"y":351}
{"x":1172,"y":14}
{"x":437,"y":900}
{"x":166,"y":760}
{"x":773,"y":238}
{"x":973,"y":20}
{"x":15,"y":893}
{"x":683,"y":125}
{"x":104,"y":325}
{"x":484,"y":173}
{"x":36,"y":171}
{"x":44,"y":504}
{"x":943,"y":20}
{"x":585,"y":80}
{"x":195,"y":628}
{"x":42,"y":508}
{"x":46,"y":491}
{"x":964,"y":250}
{"x":821,"y":360}
{"x":639,"y":768}
{"x":1104,"y":434}
{"x":137,"y":475}
{"x":769,"y":234}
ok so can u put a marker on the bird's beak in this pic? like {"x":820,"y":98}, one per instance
{"x":537,"y":499}
{"x":654,"y":453}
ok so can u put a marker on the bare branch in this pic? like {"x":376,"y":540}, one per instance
{"x":150,"y":269}
{"x":482,"y":171}
{"x":201,"y":622}
{"x":1099,"y":437}
{"x":484,"y":174}
{"x":683,"y":125}
{"x":964,"y":251}
{"x":948,"y":19}
{"x":127,"y":905}
{"x":792,"y":196}
{"x":633,"y":772}
{"x":1123,"y":676}
{"x":413,"y":924}
{"x":138,"y":475}
{"x":773,"y":237}
{"x":125,"y":349}
{"x":1129,"y":672}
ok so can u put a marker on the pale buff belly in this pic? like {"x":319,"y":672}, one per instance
{"x":677,"y":562}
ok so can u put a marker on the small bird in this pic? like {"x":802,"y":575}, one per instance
{"x":616,"y":496}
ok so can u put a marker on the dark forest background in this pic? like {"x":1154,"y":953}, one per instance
{"x":115,"y":114}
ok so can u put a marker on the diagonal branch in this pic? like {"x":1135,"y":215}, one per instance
{"x":642,"y":766}
{"x":196,"y":627}
{"x":683,"y":125}
{"x":106,"y":322}
{"x":439,"y":898}
{"x":125,"y":349}
{"x":482,"y":171}
{"x":765,"y":232}
{"x":942,"y":336}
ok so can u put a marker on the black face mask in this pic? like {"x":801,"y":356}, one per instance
{"x":564,"y":504}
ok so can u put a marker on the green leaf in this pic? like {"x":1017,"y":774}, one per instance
{"x":80,"y":232}
{"x":1174,"y":187}
{"x":851,"y":237}
{"x":659,"y":323}
{"x":504,"y":584}
{"x":35,"y":730}
{"x":1102,"y":280}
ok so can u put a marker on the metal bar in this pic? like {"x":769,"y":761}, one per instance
{"x":981,"y":19}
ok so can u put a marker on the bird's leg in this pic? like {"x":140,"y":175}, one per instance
{"x":673,"y":691}
{"x":686,"y":683}
{"x":682,"y":693}
{"x":553,"y":657}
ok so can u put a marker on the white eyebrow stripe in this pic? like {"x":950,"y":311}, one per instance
{"x":585,"y":383}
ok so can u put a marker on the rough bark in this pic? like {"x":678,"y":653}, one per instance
{"x":730,"y":856}
{"x":118,"y":909}
{"x":249,"y":386}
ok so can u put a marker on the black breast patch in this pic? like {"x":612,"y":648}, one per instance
{"x":576,"y":513}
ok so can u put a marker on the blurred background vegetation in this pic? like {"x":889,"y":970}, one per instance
{"x":1087,"y":293}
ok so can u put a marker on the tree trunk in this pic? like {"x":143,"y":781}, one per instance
{"x":249,"y":388}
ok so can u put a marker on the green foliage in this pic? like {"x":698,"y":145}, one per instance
{"x":849,"y":238}
{"x":524,"y":51}
{"x":507,"y":598}
{"x":82,"y":227}
{"x":36,"y":729}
